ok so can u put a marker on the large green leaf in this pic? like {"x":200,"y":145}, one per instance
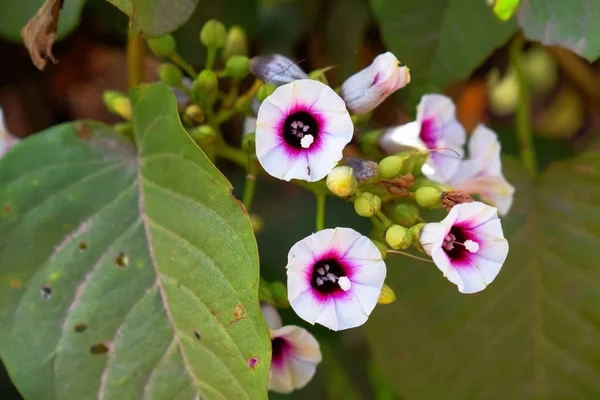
{"x":441,"y":41}
{"x":534,"y":333}
{"x":127,"y":273}
{"x":14,"y":15}
{"x":572,"y":24}
{"x":157,"y":17}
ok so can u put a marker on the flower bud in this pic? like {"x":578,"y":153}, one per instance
{"x":341,"y":181}
{"x":382,"y":248}
{"x":390,"y":167}
{"x":413,"y":162}
{"x":369,"y":87}
{"x":203,"y":134}
{"x":193,"y":115}
{"x":213,"y":34}
{"x":415,"y":230}
{"x":429,"y":197}
{"x":249,"y":143}
{"x":406,"y":214}
{"x":367,"y":204}
{"x":364,"y":170}
{"x":279,"y":292}
{"x":398,"y":237}
{"x":236,"y":43}
{"x":162,"y":46}
{"x":319,"y":75}
{"x":205,"y":88}
{"x":276,"y":69}
{"x":265,"y":91}
{"x":238,"y":67}
{"x":117,"y":103}
{"x":170,"y":74}
{"x":387,"y":295}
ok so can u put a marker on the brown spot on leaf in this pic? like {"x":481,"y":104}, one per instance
{"x":100,"y":348}
{"x":46,"y":292}
{"x":196,"y":334}
{"x":80,"y":328}
{"x":122,"y":260}
{"x":83,"y":246}
{"x":253,"y":362}
{"x":84,"y":131}
{"x":238,"y":314}
{"x":14,"y":282}
{"x":40,"y":34}
{"x":7,"y":209}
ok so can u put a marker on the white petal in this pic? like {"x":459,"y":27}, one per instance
{"x":432,"y":236}
{"x":301,"y":256}
{"x":361,"y":248}
{"x":280,"y":378}
{"x":276,"y":69}
{"x":338,"y":124}
{"x":271,"y":315}
{"x":278,"y":162}
{"x":309,"y":307}
{"x":322,"y":162}
{"x":327,"y":315}
{"x":476,"y":275}
{"x":343,"y":239}
{"x":330,"y":102}
{"x":493,"y":189}
{"x":484,"y":148}
{"x":349,"y":313}
{"x":402,"y":138}
{"x":366,"y":296}
{"x":471,"y":215}
{"x":369,"y":273}
{"x":320,"y":242}
{"x":306,"y":347}
{"x":299,"y":170}
{"x":306,"y":92}
{"x":298,"y":284}
{"x":302,"y":372}
{"x":442,"y":164}
{"x":249,"y":125}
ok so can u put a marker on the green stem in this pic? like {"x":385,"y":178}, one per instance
{"x":184,"y":65}
{"x":386,"y":221}
{"x":523,"y":115}
{"x":136,"y":53}
{"x":320,"y":220}
{"x":211,"y":56}
{"x":249,"y":191}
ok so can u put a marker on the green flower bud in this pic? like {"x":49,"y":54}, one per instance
{"x":279,"y":292}
{"x":265,"y":91}
{"x":238,"y":67}
{"x":193,"y":115}
{"x":213,"y":34}
{"x":406,"y":214}
{"x":162,"y":46}
{"x":429,"y":197}
{"x":319,"y":75}
{"x":205,"y":88}
{"x":367,"y":204}
{"x":382,"y":248}
{"x":342,"y":182}
{"x":170,"y":74}
{"x":203,"y":134}
{"x":416,"y":235}
{"x":236,"y":43}
{"x":421,"y":181}
{"x":398,"y":237}
{"x":264,"y":292}
{"x":249,"y":143}
{"x":390,"y":167}
{"x":413,"y":162}
{"x":387,"y":295}
{"x":117,"y":103}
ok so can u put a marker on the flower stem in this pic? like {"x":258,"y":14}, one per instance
{"x":523,"y":115}
{"x":136,"y":52}
{"x":320,"y":220}
{"x":250,"y":182}
{"x":410,"y":255}
{"x":211,"y":56}
{"x":386,"y":221}
{"x":184,"y":65}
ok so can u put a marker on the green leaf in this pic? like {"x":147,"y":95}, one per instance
{"x":125,"y":272}
{"x":443,"y":41}
{"x":13,"y":17}
{"x":534,"y":333}
{"x":157,"y":17}
{"x":572,"y":24}
{"x":505,"y":9}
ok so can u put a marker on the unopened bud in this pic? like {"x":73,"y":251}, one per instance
{"x":238,"y":67}
{"x":382,"y":247}
{"x":429,"y":197}
{"x":406,"y":214}
{"x":117,"y":103}
{"x":367,"y":204}
{"x":387,"y":295}
{"x":203,"y":134}
{"x":236,"y":43}
{"x":265,"y":91}
{"x":205,"y":88}
{"x":390,"y":167}
{"x":369,"y":87}
{"x":319,"y":75}
{"x":364,"y":170}
{"x":213,"y":34}
{"x":279,"y":292}
{"x":341,"y":181}
{"x":276,"y":69}
{"x":413,"y":162}
{"x":415,"y":230}
{"x":170,"y":74}
{"x":398,"y":237}
{"x":162,"y":46}
{"x":193,"y":115}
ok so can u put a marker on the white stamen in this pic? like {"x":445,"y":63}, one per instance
{"x":472,"y":246}
{"x":331,"y":277}
{"x":324,"y":279}
{"x":321,"y":271}
{"x":306,"y":141}
{"x":344,"y":283}
{"x":319,"y":281}
{"x":449,"y":242}
{"x":326,"y":266}
{"x":294,"y":125}
{"x":305,"y":128}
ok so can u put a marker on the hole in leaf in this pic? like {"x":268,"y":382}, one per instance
{"x":80,"y":328}
{"x":253,"y":362}
{"x":196,"y":334}
{"x":46,"y":292}
{"x":100,"y":348}
{"x":122,"y":260}
{"x":83,"y":246}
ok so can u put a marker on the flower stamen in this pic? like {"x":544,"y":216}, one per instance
{"x":344,"y":283}
{"x":450,"y":240}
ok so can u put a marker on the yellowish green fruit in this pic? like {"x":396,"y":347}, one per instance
{"x":398,"y":237}
{"x":265,"y":91}
{"x":170,"y":74}
{"x":162,"y":46}
{"x":503,"y":92}
{"x":429,"y":197}
{"x":367,"y":204}
{"x":415,"y":230}
{"x":236,"y":43}
{"x":238,"y":67}
{"x":406,"y":214}
{"x":540,"y":69}
{"x":387,"y":295}
{"x":213,"y":34}
{"x":390,"y":167}
{"x":205,"y":88}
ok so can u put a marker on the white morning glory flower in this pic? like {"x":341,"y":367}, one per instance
{"x":296,"y":354}
{"x":369,"y":87}
{"x":468,"y":246}
{"x":301,"y":130}
{"x":276,"y":69}
{"x":335,"y":278}
{"x":481,"y":173}
{"x":436,"y":127}
{"x":7,"y":141}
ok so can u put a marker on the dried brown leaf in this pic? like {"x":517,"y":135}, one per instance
{"x":40,"y":34}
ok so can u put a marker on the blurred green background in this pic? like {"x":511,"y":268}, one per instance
{"x":535,"y":333}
